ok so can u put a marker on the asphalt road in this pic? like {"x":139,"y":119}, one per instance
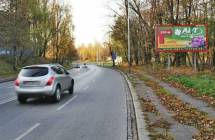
{"x":96,"y":111}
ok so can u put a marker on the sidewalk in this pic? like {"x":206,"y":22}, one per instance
{"x":160,"y":121}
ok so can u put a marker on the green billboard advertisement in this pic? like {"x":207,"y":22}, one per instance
{"x":181,"y":38}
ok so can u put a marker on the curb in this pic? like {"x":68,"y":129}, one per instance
{"x":143,"y":134}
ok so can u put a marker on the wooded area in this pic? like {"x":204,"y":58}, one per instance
{"x":36,"y":30}
{"x":93,"y":52}
{"x":146,"y":14}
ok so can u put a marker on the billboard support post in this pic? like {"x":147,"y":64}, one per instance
{"x":169,"y":62}
{"x":195,"y":62}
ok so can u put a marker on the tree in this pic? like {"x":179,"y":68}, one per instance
{"x":145,"y":15}
{"x":31,"y":28}
{"x":93,"y":52}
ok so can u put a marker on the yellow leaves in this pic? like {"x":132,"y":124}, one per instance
{"x":147,"y":106}
{"x":90,"y":52}
{"x":205,"y":135}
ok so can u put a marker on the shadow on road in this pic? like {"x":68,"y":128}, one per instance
{"x":47,"y":101}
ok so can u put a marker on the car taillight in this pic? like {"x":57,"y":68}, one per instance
{"x":17,"y":83}
{"x":50,"y":81}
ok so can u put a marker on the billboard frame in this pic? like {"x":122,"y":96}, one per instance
{"x":180,"y":25}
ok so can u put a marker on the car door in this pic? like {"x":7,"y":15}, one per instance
{"x":59,"y":77}
{"x":67,"y":78}
{"x":63,"y":78}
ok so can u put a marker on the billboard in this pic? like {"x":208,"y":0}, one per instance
{"x":181,"y":38}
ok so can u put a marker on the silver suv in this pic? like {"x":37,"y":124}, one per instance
{"x":48,"y":80}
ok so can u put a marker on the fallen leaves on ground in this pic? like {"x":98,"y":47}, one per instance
{"x":184,"y":113}
{"x":193,"y":93}
{"x":159,"y":136}
{"x":161,"y":123}
{"x":147,"y":106}
{"x":157,"y":126}
{"x":163,"y":74}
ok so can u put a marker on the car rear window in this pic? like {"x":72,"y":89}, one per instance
{"x":34,"y":71}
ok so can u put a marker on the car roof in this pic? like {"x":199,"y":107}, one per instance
{"x":43,"y":65}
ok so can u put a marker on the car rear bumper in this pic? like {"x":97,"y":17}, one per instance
{"x":35,"y":91}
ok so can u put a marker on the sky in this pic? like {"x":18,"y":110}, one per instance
{"x":90,"y":18}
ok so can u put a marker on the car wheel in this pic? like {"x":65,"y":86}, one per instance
{"x":57,"y":94}
{"x":71,"y":89}
{"x":22,"y":99}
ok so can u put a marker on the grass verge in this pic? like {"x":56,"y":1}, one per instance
{"x":6,"y":70}
{"x":203,"y":84}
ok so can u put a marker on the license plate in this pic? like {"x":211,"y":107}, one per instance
{"x":31,"y":83}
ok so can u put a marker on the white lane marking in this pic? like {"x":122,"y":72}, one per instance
{"x":61,"y":107}
{"x":7,"y":100}
{"x":27,"y":132}
{"x":10,"y":87}
{"x":6,"y":87}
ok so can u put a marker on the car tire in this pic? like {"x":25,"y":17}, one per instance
{"x":71,"y":89}
{"x":57,"y":94}
{"x":22,"y":99}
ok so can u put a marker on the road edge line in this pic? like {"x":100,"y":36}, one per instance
{"x":5,"y":101}
{"x":143,"y":134}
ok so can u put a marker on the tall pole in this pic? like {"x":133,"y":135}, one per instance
{"x":129,"y":47}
